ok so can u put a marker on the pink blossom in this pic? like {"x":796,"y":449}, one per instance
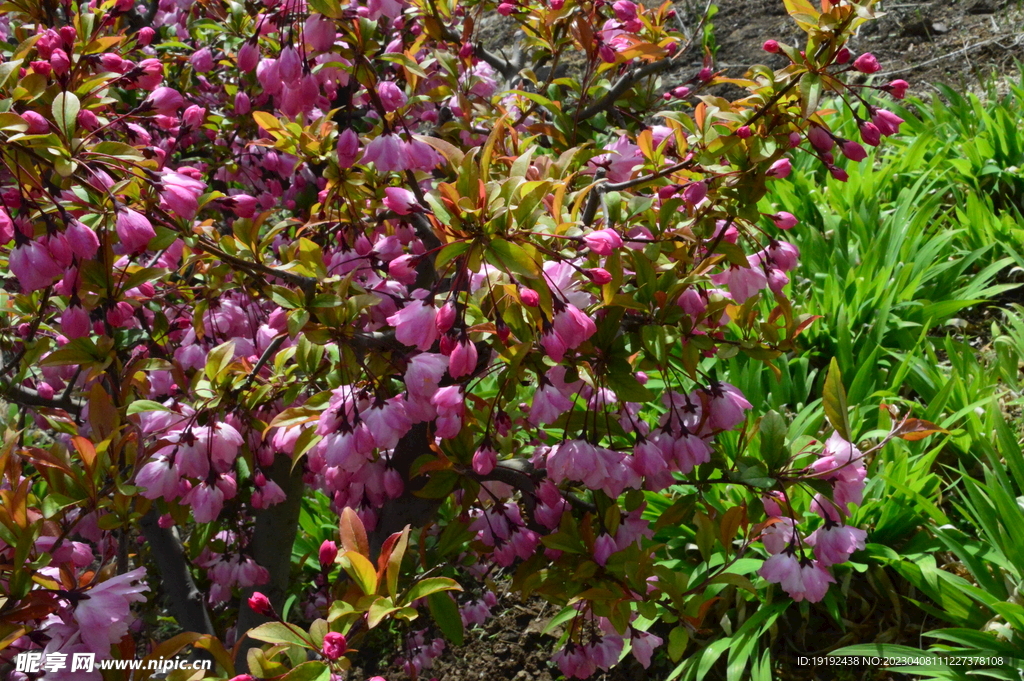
{"x":388,"y":153}
{"x":348,"y":148}
{"x":784,"y":220}
{"x":400,"y":201}
{"x":134,"y":230}
{"x":33,"y":266}
{"x":462,"y":361}
{"x":391,"y":96}
{"x":867,"y":63}
{"x":780,"y":169}
{"x":202,"y":60}
{"x":415,"y":324}
{"x":727,"y":405}
{"x":248,"y":56}
{"x":834,"y":543}
{"x":485,"y":459}
{"x":166,"y":101}
{"x":104,"y":615}
{"x":887,"y":122}
{"x":319,"y":32}
{"x":603,"y":241}
{"x":206,"y":502}
{"x":643,"y":644}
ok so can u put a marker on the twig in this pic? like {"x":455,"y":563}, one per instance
{"x":963,"y":50}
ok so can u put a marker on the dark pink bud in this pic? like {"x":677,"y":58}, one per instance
{"x":529,"y":297}
{"x":780,"y":169}
{"x":743,"y":132}
{"x":505,"y":9}
{"x":869,"y":134}
{"x":839,"y":173}
{"x":853,"y":151}
{"x":260,"y":604}
{"x":328,"y":553}
{"x":843,"y":55}
{"x":784,"y":220}
{"x":820,"y":138}
{"x":771,"y":46}
{"x":898,"y":88}
{"x":598,"y":275}
{"x":334,"y":645}
{"x":145,"y":35}
{"x":866,"y":63}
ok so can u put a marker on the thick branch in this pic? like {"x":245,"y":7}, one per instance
{"x":28,"y":397}
{"x":407,"y":509}
{"x":272,"y":541}
{"x":184,"y":599}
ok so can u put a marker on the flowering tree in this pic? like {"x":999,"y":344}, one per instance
{"x":281,"y":267}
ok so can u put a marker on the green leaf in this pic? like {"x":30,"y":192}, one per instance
{"x":65,"y":111}
{"x":431,"y":585}
{"x":446,"y":613}
{"x":219,"y":359}
{"x":140,"y":406}
{"x":677,"y":640}
{"x":513,"y":258}
{"x":278,"y":632}
{"x":381,"y":608}
{"x":773,"y":440}
{"x":309,"y":671}
{"x":834,"y":399}
{"x":623,"y":381}
{"x":360,"y":569}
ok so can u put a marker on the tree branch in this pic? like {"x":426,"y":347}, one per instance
{"x":272,"y":541}
{"x":184,"y":599}
{"x":28,"y":397}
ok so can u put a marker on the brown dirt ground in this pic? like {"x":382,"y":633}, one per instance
{"x":957,"y":42}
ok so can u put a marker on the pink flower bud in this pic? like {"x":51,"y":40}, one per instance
{"x":839,"y":173}
{"x":681,"y":92}
{"x":866,"y":63}
{"x":869,"y":134}
{"x":506,"y":9}
{"x":37,"y":125}
{"x":400,"y":201}
{"x":334,"y":645}
{"x":145,"y":35}
{"x":328,"y":552}
{"x":743,"y":132}
{"x":260,"y":604}
{"x":780,"y":169}
{"x":529,"y":297}
{"x":695,"y":192}
{"x":853,"y":151}
{"x":348,"y":148}
{"x":820,"y":138}
{"x":607,"y":53}
{"x":194,"y":116}
{"x":843,"y":55}
{"x":898,"y":88}
{"x":87,"y":119}
{"x":598,"y":275}
{"x":770,"y":46}
{"x":202,"y":60}
{"x":60,"y":62}
{"x":784,"y":220}
{"x":248,"y":57}
{"x":391,"y":96}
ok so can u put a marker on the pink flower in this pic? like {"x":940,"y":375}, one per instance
{"x":743,"y":282}
{"x":33,"y":266}
{"x":421,"y":156}
{"x":158,"y":479}
{"x":870,"y":134}
{"x":821,"y":139}
{"x":248,"y":57}
{"x":289,"y":65}
{"x":835,"y":543}
{"x":548,"y":404}
{"x":898,"y":88}
{"x":887,"y":122}
{"x":180,"y":194}
{"x":134,"y":230}
{"x":391,"y":96}
{"x":166,"y":101}
{"x":784,"y":220}
{"x":401,"y":201}
{"x":529,"y":297}
{"x":348,"y":148}
{"x":867,"y":63}
{"x":644,"y":644}
{"x":415,"y":324}
{"x":727,"y":406}
{"x":780,"y":169}
{"x":37,"y":125}
{"x":463,"y":359}
{"x":624,"y":10}
{"x":260,"y":604}
{"x":319,"y":32}
{"x":485,"y":459}
{"x":83,"y":242}
{"x":202,"y":60}
{"x":74,"y":322}
{"x":853,"y":151}
{"x":695,"y":192}
{"x":104,"y":616}
{"x":772,"y":47}
{"x":603,"y":241}
{"x":334,"y":645}
{"x":151,"y":74}
{"x":604,"y":547}
{"x":387,"y":153}
{"x":206,"y":502}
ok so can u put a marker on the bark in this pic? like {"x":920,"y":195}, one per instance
{"x":273,"y":538}
{"x":184,"y":599}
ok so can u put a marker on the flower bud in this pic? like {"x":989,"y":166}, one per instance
{"x":260,"y":604}
{"x":784,"y":220}
{"x":529,"y":297}
{"x":328,"y":552}
{"x":866,"y":63}
{"x":898,"y":88}
{"x":771,"y":46}
{"x":334,"y":645}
